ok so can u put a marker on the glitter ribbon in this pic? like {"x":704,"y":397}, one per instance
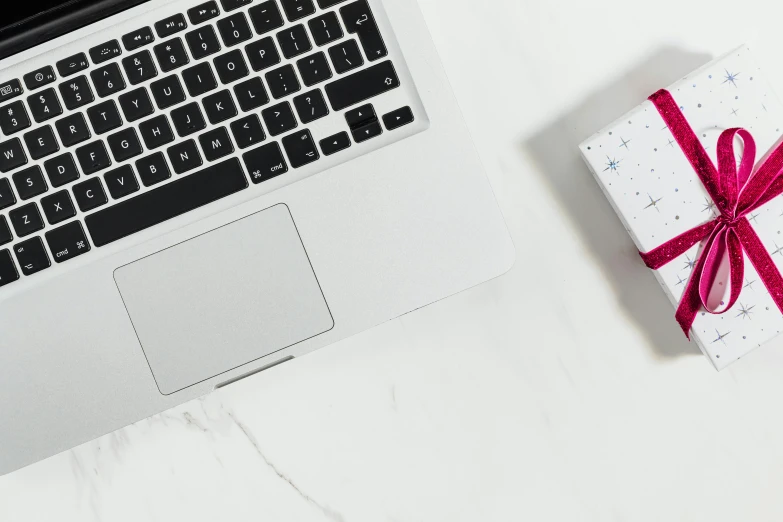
{"x":736,"y":192}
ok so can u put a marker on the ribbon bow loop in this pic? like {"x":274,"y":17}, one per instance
{"x":716,"y":280}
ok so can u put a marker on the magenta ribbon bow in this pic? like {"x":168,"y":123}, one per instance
{"x":736,"y":192}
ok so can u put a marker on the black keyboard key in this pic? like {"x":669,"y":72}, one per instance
{"x":167,"y":91}
{"x":104,"y":116}
{"x":360,"y":116}
{"x":335,"y":143}
{"x":326,"y":4}
{"x":5,"y":237}
{"x":346,"y":56}
{"x":300,"y":148}
{"x":398,"y":118}
{"x":234,"y":29}
{"x":124,"y":144}
{"x":367,"y":131}
{"x":171,"y":55}
{"x":105,"y":51}
{"x":41,"y":142}
{"x":166,"y":202}
{"x":358,"y":19}
{"x":325,"y":28}
{"x":89,"y":194}
{"x":297,"y":9}
{"x":76,"y":92}
{"x":282,"y":81}
{"x":72,"y":64}
{"x":108,"y":80}
{"x":39,"y":77}
{"x":199,"y":79}
{"x":231,"y":66}
{"x":203,"y":12}
{"x":251,"y":94}
{"x":279,"y":118}
{"x":156,"y":132}
{"x":219,"y":106}
{"x":184,"y":156}
{"x":247,"y":131}
{"x":216,"y":144}
{"x":9,"y":90}
{"x":11,"y":155}
{"x":13,"y":118}
{"x":121,"y":182}
{"x":67,"y":242}
{"x":73,"y":129}
{"x":93,"y":157}
{"x":314,"y":69}
{"x":362,"y":85}
{"x":203,"y":42}
{"x":139,"y":67}
{"x":31,"y":256}
{"x":44,"y":105}
{"x":7,"y":197}
{"x":136,"y":104}
{"x":265,"y":17}
{"x":265,"y":162}
{"x":138,"y":38}
{"x":188,"y":119}
{"x":58,"y":207}
{"x":294,"y":41}
{"x":61,"y":170}
{"x":30,"y":182}
{"x":170,"y":25}
{"x":311,"y":106}
{"x":262,"y":54}
{"x":8,"y":273}
{"x":230,"y":5}
{"x":153,"y":169}
{"x":26,"y":219}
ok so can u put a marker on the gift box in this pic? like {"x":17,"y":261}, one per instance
{"x":700,"y":199}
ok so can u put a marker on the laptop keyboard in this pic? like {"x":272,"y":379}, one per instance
{"x":219,"y":96}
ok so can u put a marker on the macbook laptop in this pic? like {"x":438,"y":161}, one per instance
{"x":193,"y":191}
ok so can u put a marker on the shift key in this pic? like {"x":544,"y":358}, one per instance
{"x":67,"y":242}
{"x":362,"y":85}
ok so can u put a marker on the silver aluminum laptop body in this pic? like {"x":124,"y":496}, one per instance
{"x":271,"y":271}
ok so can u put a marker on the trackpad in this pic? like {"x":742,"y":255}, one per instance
{"x":223,"y":299}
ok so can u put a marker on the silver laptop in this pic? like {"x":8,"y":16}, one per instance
{"x":192,"y":192}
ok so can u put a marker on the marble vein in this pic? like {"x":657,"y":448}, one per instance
{"x":328,"y":512}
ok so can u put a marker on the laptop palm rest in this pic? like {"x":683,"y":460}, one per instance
{"x":223,"y":299}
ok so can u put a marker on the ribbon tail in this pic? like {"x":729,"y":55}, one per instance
{"x":691,"y":302}
{"x":762,"y":261}
{"x":674,"y":248}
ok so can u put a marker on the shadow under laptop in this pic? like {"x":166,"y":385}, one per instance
{"x":555,"y":150}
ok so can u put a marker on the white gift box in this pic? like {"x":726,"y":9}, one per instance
{"x":657,"y":194}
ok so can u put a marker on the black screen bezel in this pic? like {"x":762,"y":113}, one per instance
{"x":57,"y":21}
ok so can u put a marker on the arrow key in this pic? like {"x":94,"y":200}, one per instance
{"x":398,"y":118}
{"x":335,"y":143}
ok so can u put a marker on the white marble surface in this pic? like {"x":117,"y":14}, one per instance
{"x":562,"y":391}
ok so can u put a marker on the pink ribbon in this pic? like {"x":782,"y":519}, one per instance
{"x":736,"y":192}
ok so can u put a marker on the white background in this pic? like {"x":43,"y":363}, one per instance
{"x":562,"y":391}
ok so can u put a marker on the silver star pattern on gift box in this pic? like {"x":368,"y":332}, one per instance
{"x":658,"y":196}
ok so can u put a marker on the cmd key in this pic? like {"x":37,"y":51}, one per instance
{"x":362,"y":85}
{"x":67,"y":242}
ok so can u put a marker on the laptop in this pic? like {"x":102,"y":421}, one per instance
{"x":194,"y":191}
